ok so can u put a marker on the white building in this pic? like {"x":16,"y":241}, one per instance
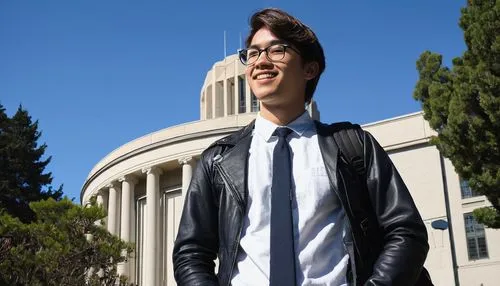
{"x":143,"y":182}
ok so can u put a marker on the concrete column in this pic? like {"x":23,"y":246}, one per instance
{"x":89,"y":237}
{"x":224,"y":86}
{"x":128,"y":184}
{"x":236,"y":99}
{"x":214,"y":89}
{"x":151,"y":241}
{"x":203,"y":103}
{"x":100,"y":199}
{"x":187,"y":173}
{"x":248,"y":95}
{"x":112,"y":207}
{"x":100,"y":202}
{"x":133,"y":220}
{"x":105,"y":200}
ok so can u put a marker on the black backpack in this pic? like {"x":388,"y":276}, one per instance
{"x":351,"y":147}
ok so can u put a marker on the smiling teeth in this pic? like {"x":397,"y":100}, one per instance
{"x":265,"y":75}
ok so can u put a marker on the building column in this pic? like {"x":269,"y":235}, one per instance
{"x":89,"y":237}
{"x":128,"y":184}
{"x":112,"y":207}
{"x":100,"y":200}
{"x":236,"y":97}
{"x":248,"y":99}
{"x":150,"y":241}
{"x":214,"y":89}
{"x":133,"y":221}
{"x":203,"y":115}
{"x":187,"y":173}
{"x":224,"y":92}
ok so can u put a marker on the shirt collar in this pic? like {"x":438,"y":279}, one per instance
{"x":265,"y":128}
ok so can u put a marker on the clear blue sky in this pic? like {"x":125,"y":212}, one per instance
{"x":97,"y":74}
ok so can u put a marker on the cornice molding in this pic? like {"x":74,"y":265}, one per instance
{"x":129,"y":179}
{"x":114,"y":185}
{"x":152,"y":170}
{"x":185,"y":160}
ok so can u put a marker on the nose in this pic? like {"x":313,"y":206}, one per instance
{"x":262,"y":60}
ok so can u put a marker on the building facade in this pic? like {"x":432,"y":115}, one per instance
{"x":142,"y":186}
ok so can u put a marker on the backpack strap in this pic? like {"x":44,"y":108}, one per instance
{"x":351,"y":146}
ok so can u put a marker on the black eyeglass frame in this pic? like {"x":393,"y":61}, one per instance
{"x":242,"y":53}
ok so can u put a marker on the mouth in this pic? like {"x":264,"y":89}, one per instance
{"x":265,"y":75}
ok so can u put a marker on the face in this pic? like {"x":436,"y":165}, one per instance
{"x":278,"y":83}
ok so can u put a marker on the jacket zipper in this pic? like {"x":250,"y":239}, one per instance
{"x":240,"y":203}
{"x":239,"y":200}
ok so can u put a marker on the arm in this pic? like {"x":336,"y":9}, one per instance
{"x":405,"y":245}
{"x":196,"y":246}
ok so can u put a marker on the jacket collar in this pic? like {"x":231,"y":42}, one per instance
{"x":237,"y":136}
{"x":235,"y":161}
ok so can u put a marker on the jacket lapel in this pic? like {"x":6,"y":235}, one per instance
{"x":235,"y":163}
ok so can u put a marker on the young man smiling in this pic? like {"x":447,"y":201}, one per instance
{"x":279,"y":203}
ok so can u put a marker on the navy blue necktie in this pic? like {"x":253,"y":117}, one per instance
{"x":282,"y":265}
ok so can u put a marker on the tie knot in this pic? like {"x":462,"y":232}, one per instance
{"x":282,"y":132}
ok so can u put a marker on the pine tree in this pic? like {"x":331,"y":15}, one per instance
{"x":463,"y":104}
{"x":62,"y":246}
{"x":22,"y":176}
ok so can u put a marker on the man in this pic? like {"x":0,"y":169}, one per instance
{"x":277,"y":202}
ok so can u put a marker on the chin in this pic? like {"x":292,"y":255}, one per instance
{"x":264,"y":96}
{"x":264,"y":92}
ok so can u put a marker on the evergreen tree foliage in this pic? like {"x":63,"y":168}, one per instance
{"x":62,"y":246}
{"x":462,"y":104}
{"x":22,"y":168}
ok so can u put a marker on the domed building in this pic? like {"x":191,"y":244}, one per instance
{"x":142,"y":184}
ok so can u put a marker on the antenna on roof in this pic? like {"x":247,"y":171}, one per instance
{"x":240,"y":40}
{"x":224,"y":44}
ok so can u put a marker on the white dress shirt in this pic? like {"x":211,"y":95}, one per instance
{"x":318,"y":217}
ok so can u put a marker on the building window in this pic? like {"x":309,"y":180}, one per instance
{"x":476,"y":238}
{"x":465,"y":189}
{"x":242,"y":95}
{"x":255,"y":103}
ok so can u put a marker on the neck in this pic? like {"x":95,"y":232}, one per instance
{"x":281,"y":115}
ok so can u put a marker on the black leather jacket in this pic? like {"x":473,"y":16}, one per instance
{"x":389,"y":240}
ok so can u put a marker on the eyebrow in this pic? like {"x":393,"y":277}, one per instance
{"x":273,"y":42}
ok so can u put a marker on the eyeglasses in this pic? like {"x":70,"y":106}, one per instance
{"x":274,"y":53}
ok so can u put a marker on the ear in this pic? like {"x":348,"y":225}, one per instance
{"x":311,"y":70}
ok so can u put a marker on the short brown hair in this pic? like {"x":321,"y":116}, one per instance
{"x":290,"y":29}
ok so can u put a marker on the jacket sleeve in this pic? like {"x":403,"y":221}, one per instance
{"x":404,"y":245}
{"x":196,"y":245}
